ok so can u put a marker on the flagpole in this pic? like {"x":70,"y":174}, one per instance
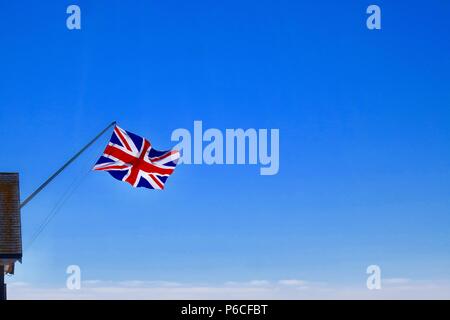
{"x":42,"y":186}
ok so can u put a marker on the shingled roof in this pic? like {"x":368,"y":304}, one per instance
{"x":10,"y":226}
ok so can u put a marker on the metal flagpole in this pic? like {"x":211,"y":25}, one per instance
{"x":42,"y":186}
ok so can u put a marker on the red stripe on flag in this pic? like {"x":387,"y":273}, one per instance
{"x":115,"y":167}
{"x":156,"y":181}
{"x":122,"y":138}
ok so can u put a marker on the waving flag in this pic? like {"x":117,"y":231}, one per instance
{"x":131,"y":158}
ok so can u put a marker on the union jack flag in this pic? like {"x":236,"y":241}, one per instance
{"x":131,"y":158}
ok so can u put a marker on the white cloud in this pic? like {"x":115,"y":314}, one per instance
{"x":396,"y":281}
{"x":252,"y":283}
{"x":292,"y":282}
{"x":394,"y":288}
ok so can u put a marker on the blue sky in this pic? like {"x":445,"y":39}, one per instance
{"x":364,"y":138}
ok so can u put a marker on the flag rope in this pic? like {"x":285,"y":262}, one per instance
{"x":59,"y":204}
{"x":57,"y":173}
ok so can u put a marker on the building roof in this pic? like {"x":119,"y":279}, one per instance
{"x":10,"y":225}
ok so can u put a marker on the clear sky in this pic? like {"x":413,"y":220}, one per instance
{"x":364,"y":138}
